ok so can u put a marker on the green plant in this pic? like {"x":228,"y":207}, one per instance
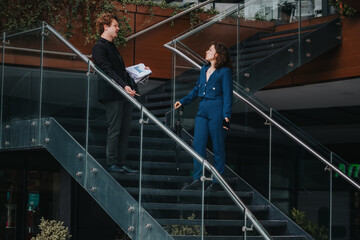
{"x":19,"y":15}
{"x":182,"y":230}
{"x":52,"y":230}
{"x":287,"y":7}
{"x":319,"y":232}
{"x":342,"y":8}
{"x":259,"y":16}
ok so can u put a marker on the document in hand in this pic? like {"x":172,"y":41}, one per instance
{"x":138,"y":72}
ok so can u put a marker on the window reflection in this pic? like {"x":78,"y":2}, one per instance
{"x":40,"y":199}
{"x":8,"y":207}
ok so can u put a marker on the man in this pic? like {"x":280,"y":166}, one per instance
{"x":118,"y":110}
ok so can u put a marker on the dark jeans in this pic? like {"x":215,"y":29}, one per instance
{"x":118,"y":113}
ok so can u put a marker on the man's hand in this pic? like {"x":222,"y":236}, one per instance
{"x":130,"y":91}
{"x":177,"y":105}
{"x":147,"y":68}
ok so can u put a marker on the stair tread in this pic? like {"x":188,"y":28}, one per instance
{"x":158,"y":104}
{"x":218,"y":237}
{"x":209,"y":207}
{"x":152,"y":178}
{"x":184,"y":193}
{"x":147,"y":164}
{"x":220,"y":222}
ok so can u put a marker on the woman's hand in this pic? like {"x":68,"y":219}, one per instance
{"x":177,"y":105}
{"x":226,"y":123}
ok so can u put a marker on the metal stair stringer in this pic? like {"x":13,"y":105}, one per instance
{"x":291,"y":56}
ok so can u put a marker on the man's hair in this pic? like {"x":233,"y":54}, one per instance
{"x":104,"y":19}
{"x":223,"y":58}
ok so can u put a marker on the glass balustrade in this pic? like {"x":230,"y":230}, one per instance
{"x":65,"y":90}
{"x":20,"y":86}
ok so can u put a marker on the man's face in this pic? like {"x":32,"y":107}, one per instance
{"x":112,"y":30}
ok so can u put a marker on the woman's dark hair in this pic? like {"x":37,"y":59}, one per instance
{"x":223,"y":56}
{"x":105,"y":19}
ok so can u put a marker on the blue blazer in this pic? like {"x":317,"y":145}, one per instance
{"x":218,"y":87}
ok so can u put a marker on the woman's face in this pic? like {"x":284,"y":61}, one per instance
{"x":211,"y":54}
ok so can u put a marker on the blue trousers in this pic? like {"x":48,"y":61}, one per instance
{"x":209,"y":121}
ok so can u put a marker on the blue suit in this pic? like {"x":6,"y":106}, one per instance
{"x":215,"y":106}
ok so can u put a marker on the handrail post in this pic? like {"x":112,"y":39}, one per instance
{"x":141,"y":122}
{"x":2,"y":87}
{"x":203,"y":201}
{"x":88,"y":75}
{"x":331,"y":198}
{"x":270,"y":154}
{"x":41,"y":80}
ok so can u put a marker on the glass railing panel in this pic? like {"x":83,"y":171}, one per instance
{"x":166,"y":168}
{"x":297,"y":178}
{"x":224,"y":219}
{"x":345,"y":207}
{"x":350,"y":168}
{"x":318,"y":147}
{"x":247,"y":147}
{"x":21,"y":82}
{"x":293,"y":128}
{"x":64,"y":87}
{"x":185,"y":77}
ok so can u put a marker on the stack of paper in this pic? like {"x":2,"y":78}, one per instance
{"x":138,"y":72}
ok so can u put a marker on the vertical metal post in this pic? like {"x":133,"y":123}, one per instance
{"x":203,"y":201}
{"x":138,"y":235}
{"x":173,"y":88}
{"x":87,"y":111}
{"x":2,"y":89}
{"x":330,"y":198}
{"x":237,"y":44}
{"x":299,"y":35}
{"x":245,"y":225}
{"x":270,"y":154}
{"x":41,"y":80}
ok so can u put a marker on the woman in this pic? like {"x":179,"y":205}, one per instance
{"x":215,"y":87}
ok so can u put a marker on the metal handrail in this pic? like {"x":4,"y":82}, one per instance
{"x":44,"y":51}
{"x":308,"y":148}
{"x":213,"y":20}
{"x":171,"y":134}
{"x":20,"y":33}
{"x":168,"y":20}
